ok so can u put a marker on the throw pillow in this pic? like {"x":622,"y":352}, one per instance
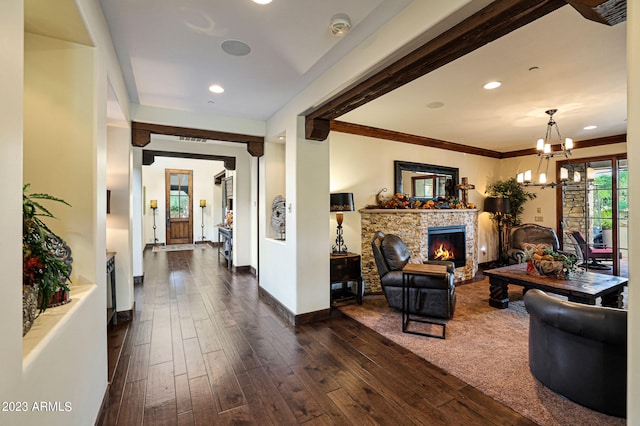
{"x":531,"y":247}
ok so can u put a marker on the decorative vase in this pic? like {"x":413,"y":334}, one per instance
{"x":29,"y":307}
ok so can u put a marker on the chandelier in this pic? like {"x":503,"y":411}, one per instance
{"x":545,"y":152}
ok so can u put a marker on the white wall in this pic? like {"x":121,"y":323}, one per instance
{"x":137,"y":207}
{"x":11,"y":134}
{"x":153,"y":179}
{"x":120,"y":220}
{"x":63,"y":149}
{"x":633,"y":155}
{"x":364,"y":166}
{"x":275,"y":180}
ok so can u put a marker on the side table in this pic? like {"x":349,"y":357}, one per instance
{"x":345,"y":268}
{"x":410,"y":270}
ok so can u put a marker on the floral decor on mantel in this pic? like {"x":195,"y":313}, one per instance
{"x":403,"y":201}
{"x":46,"y":266}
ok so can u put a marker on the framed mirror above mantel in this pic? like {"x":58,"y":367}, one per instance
{"x":427,"y":181}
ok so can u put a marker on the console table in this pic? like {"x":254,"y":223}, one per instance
{"x":225,"y":236}
{"x":345,"y":268}
{"x":112,"y":313}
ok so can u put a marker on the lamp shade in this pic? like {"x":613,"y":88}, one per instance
{"x":203,"y":203}
{"x":497,"y":205}
{"x":153,"y":204}
{"x":341,"y":202}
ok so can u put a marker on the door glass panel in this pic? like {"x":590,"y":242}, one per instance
{"x":623,"y":217}
{"x":587,"y":207}
{"x":179,"y":197}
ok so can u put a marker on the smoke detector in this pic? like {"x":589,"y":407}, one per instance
{"x":340,"y":24}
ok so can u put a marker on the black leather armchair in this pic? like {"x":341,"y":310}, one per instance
{"x":529,"y":233}
{"x":579,"y":351}
{"x":433,"y":296}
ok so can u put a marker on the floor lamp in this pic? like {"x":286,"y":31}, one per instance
{"x":154,"y":206}
{"x":499,"y":207}
{"x":203,"y":204}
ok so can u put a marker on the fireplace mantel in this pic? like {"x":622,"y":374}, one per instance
{"x":412,"y":225}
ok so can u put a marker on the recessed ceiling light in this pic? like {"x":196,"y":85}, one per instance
{"x":216,"y":88}
{"x":492,"y":85}
{"x":262,"y":1}
{"x":236,"y":47}
{"x":593,"y":126}
{"x":436,"y":104}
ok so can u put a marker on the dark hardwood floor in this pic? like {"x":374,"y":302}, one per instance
{"x":203,"y":349}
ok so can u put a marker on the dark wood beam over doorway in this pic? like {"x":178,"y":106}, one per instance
{"x":141,"y":136}
{"x":149,"y":156}
{"x":497,"y":19}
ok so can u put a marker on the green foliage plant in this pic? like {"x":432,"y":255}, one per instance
{"x":41,"y":268}
{"x":517,"y":196}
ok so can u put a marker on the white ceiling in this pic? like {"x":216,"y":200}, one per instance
{"x":170,"y":52}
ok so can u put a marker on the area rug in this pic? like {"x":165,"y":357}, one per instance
{"x":179,"y":247}
{"x":486,"y":348}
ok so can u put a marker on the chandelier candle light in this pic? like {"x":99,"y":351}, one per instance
{"x":546,"y":152}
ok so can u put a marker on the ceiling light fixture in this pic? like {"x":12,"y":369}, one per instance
{"x":340,"y":24}
{"x":546,"y":152}
{"x":216,"y":88}
{"x":492,"y":85}
{"x":592,"y":127}
{"x":262,"y":1}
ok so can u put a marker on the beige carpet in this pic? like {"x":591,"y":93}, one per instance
{"x":486,"y":348}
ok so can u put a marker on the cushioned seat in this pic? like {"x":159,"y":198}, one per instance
{"x":530,"y":233}
{"x":579,"y":351}
{"x":433,"y":296}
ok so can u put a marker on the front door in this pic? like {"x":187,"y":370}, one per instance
{"x":179,"y":187}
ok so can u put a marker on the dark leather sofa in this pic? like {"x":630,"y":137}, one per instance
{"x":433,"y":296}
{"x":529,"y":233}
{"x":579,"y":351}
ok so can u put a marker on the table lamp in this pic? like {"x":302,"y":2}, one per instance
{"x":340,"y":202}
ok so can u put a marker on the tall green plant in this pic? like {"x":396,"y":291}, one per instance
{"x":40,"y":268}
{"x":517,"y":196}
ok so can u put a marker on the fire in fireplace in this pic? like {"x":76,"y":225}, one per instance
{"x":447,"y":243}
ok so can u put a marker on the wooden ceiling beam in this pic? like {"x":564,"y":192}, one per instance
{"x":609,"y":12}
{"x":374,"y":132}
{"x":497,"y":19}
{"x":149,"y":156}
{"x":391,"y":135}
{"x":141,"y":136}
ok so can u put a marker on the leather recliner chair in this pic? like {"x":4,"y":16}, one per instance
{"x":432,"y":296}
{"x":579,"y":351}
{"x":529,"y":233}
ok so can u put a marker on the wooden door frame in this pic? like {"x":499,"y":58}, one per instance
{"x":167,"y":184}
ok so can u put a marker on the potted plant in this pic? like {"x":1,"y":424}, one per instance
{"x":44,"y":269}
{"x":517,"y":196}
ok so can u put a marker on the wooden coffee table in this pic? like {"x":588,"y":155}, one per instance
{"x":581,"y":286}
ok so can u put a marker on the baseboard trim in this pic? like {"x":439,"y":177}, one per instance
{"x":100,"y":419}
{"x":293,"y":319}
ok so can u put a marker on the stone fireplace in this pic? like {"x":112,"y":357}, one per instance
{"x":413,"y":225}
